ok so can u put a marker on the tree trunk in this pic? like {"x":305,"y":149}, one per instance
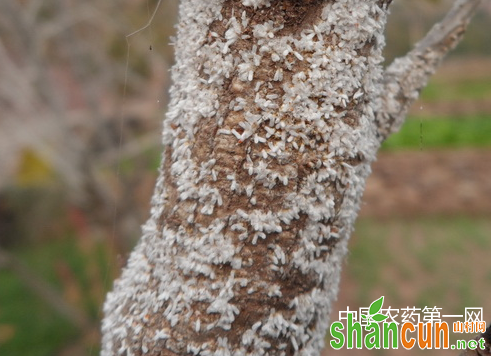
{"x":278,"y":109}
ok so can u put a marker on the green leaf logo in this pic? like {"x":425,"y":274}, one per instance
{"x":374,"y":309}
{"x":379,"y":317}
{"x":376,"y":306}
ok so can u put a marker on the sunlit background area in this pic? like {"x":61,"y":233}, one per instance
{"x":81,"y":107}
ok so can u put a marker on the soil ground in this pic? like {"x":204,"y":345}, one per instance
{"x":429,"y":182}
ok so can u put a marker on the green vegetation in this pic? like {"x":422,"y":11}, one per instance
{"x":448,"y":131}
{"x":442,"y":132}
{"x":78,"y":270}
{"x":464,"y":89}
{"x":27,"y":326}
{"x":420,"y":262}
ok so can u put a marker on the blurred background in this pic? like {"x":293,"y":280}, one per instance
{"x":80,"y":119}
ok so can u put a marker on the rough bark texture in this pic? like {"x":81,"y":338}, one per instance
{"x":404,"y":79}
{"x":274,"y":121}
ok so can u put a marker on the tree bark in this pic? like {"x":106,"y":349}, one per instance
{"x":277,"y":111}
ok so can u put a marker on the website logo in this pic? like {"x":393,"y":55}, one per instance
{"x":376,"y":328}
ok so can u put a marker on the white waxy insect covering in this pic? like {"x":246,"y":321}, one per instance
{"x":268,"y":141}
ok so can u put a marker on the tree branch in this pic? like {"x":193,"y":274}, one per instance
{"x":406,"y":76}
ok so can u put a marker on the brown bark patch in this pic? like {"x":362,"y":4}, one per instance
{"x":291,"y":15}
{"x":173,"y":195}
